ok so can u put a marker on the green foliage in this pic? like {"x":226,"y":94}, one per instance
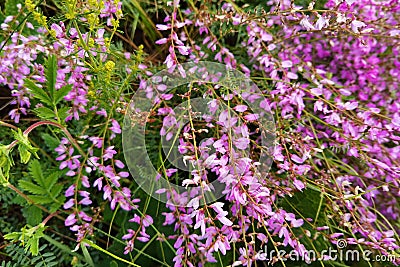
{"x":38,"y":92}
{"x":51,"y":74}
{"x":134,"y":9}
{"x":6,"y":162}
{"x":29,"y":237}
{"x":50,"y":97}
{"x":25,"y":147}
{"x":21,"y":258}
{"x":33,"y":215}
{"x":50,"y":141}
{"x":43,"y":188}
{"x":10,"y":7}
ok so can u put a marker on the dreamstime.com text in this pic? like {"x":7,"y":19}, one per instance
{"x":331,"y":254}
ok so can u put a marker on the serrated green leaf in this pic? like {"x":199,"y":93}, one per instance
{"x":38,"y":92}
{"x":56,"y":190}
{"x":43,"y":187}
{"x":63,"y":113}
{"x":24,"y":154}
{"x":45,"y":113}
{"x":33,"y":246}
{"x":24,"y":146}
{"x":50,"y":141}
{"x":35,"y":170}
{"x":51,"y":179}
{"x":59,"y":94}
{"x":40,"y":199}
{"x":31,"y":188}
{"x":12,"y":236}
{"x":21,"y":137}
{"x":51,"y":75}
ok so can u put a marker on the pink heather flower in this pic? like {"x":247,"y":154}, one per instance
{"x":116,"y":128}
{"x":217,"y":207}
{"x":85,"y":181}
{"x":242,"y":143}
{"x":251,"y":117}
{"x":351,"y":105}
{"x":84,"y":216}
{"x":355,"y":25}
{"x":147,"y":221}
{"x":109,"y":153}
{"x":70,"y":220}
{"x":129,"y":235}
{"x":119,"y":164}
{"x":162,"y":27}
{"x":350,"y":2}
{"x":297,"y":159}
{"x":296,"y":223}
{"x":97,"y":141}
{"x":287,"y":64}
{"x":135,"y":219}
{"x":60,"y":30}
{"x":322,"y":22}
{"x":299,"y":184}
{"x":170,"y":172}
{"x":306,"y":24}
{"x":69,"y":203}
{"x":227,"y":119}
{"x":213,"y":105}
{"x":161,"y":87}
{"x":292,"y":76}
{"x":70,"y":191}
{"x":107,"y":192}
{"x":129,"y":247}
{"x":99,"y":183}
{"x":162,"y":41}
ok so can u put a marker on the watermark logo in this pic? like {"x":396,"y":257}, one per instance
{"x":340,"y":253}
{"x":216,"y":102}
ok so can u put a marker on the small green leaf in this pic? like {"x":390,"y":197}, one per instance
{"x":40,"y":199}
{"x":24,"y":146}
{"x":33,"y":246}
{"x":45,"y":113}
{"x":51,"y":74}
{"x":63,"y":113}
{"x":24,"y":154}
{"x":5,"y":164}
{"x":31,"y":188}
{"x":38,"y":92}
{"x":59,"y":94}
{"x":12,"y":236}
